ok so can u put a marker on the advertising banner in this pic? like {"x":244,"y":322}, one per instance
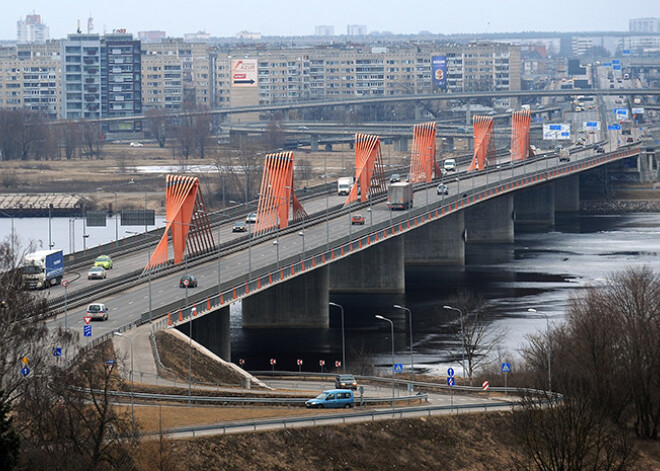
{"x":244,"y":73}
{"x":439,"y":69}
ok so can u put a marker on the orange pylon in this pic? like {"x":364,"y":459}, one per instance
{"x":194,"y":310}
{"x":180,"y":316}
{"x":208,"y":304}
{"x":169,"y":319}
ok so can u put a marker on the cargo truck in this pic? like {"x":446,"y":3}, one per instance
{"x":42,"y":269}
{"x":626,"y":127}
{"x":344,"y":185}
{"x":400,"y":195}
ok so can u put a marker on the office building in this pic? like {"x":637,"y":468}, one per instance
{"x":31,"y":30}
{"x":644,"y":25}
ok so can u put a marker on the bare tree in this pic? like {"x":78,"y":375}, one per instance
{"x":158,"y":123}
{"x":202,"y":131}
{"x":70,"y":138}
{"x":305,"y":170}
{"x":91,"y":134}
{"x":184,"y":133}
{"x":274,"y":137}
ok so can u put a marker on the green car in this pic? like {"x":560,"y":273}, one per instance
{"x":103,"y":261}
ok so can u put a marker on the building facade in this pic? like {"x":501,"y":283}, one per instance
{"x":32,"y":30}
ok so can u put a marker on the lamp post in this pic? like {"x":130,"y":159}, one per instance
{"x":412,"y":358}
{"x":148,"y":273}
{"x":392,"y":335}
{"x":460,"y":316}
{"x":547,"y":334}
{"x":343,"y":341}
{"x":118,"y":334}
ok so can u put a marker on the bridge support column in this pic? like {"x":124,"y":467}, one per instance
{"x":535,"y":206}
{"x":490,"y":221}
{"x":212,"y":331}
{"x":314,"y":142}
{"x":645,"y":164}
{"x":401,"y":144}
{"x":299,"y":302}
{"x":441,"y":242}
{"x":378,"y":269}
{"x":567,"y":194}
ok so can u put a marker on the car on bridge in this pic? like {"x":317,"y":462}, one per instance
{"x":251,"y":218}
{"x":104,"y":261}
{"x":239,"y":226}
{"x":97,"y":311}
{"x":442,"y":189}
{"x":357,"y":220}
{"x":332,"y":399}
{"x":188,"y":281}
{"x":395,"y":177}
{"x":345,"y":382}
{"x":96,"y":273}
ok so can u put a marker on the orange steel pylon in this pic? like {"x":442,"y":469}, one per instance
{"x":369,"y":173}
{"x":520,"y":149}
{"x":484,"y":142}
{"x":422,"y":158}
{"x":186,"y":222}
{"x":277,"y":194}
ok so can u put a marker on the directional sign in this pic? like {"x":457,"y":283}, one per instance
{"x":614,"y":127}
{"x":57,"y":351}
{"x":273,"y":361}
{"x":616,"y":61}
{"x":591,"y":125}
{"x":25,"y":371}
{"x":616,"y":67}
{"x":337,"y":364}
{"x":398,"y":367}
{"x":450,"y":381}
{"x":556,"y":131}
{"x":506,"y":368}
{"x":87,"y":331}
{"x":607,"y":64}
{"x":241,"y":361}
{"x":87,"y":319}
{"x":321,"y":362}
{"x":450,"y":371}
{"x":299,"y":362}
{"x":626,"y":52}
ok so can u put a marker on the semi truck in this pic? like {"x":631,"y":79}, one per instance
{"x":344,"y":185}
{"x":43,"y":268}
{"x":400,"y":195}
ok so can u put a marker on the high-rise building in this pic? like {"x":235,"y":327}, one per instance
{"x":356,"y":30}
{"x":81,"y":76}
{"x":644,"y":25}
{"x":324,"y":30}
{"x":151,"y":36}
{"x":31,"y":30}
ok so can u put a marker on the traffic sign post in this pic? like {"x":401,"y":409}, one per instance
{"x":299,"y":362}
{"x":109,"y":364}
{"x":485,"y":386}
{"x":25,"y":371}
{"x":451,"y":382}
{"x":321,"y":364}
{"x":398,"y":367}
{"x":87,"y":319}
{"x":506,"y":368}
{"x":87,"y":330}
{"x":337,"y":364}
{"x":273,"y":361}
{"x":241,"y":361}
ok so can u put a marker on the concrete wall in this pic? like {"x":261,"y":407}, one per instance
{"x":490,"y":221}
{"x":440,"y":242}
{"x":299,"y":302}
{"x":535,"y":206}
{"x":212,"y":331}
{"x":378,"y":269}
{"x":567,"y":194}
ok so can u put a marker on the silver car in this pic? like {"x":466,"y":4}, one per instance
{"x":96,"y":273}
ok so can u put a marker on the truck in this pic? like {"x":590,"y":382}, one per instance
{"x":564,"y":155}
{"x":626,"y":127}
{"x":400,"y":195}
{"x":344,"y":185}
{"x":42,"y":269}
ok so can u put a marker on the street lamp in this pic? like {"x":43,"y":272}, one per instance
{"x":118,"y":334}
{"x":392,"y":335}
{"x":412,"y":358}
{"x":148,"y":272}
{"x":343,"y":342}
{"x":460,"y":314}
{"x":547,"y":334}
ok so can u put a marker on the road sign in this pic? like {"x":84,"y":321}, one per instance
{"x":321,"y":362}
{"x":87,"y":319}
{"x":450,"y":371}
{"x":398,"y":367}
{"x":299,"y":362}
{"x":25,"y":371}
{"x":241,"y":361}
{"x":186,"y":282}
{"x":337,"y":364}
{"x":25,"y":360}
{"x":506,"y":368}
{"x":273,"y":361}
{"x":556,"y":131}
{"x":451,"y":381}
{"x":616,"y":67}
{"x":87,"y":331}
{"x":485,"y":385}
{"x":110,"y":362}
{"x":57,"y":351}
{"x":65,"y":283}
{"x":591,"y":125}
{"x":614,"y":127}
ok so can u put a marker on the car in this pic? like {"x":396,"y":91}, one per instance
{"x":442,"y":189}
{"x":449,"y":165}
{"x":332,"y":399}
{"x":97,"y":311}
{"x":630,"y":139}
{"x":251,"y":218}
{"x":357,"y":220}
{"x":188,"y":281}
{"x":136,"y":144}
{"x":239,"y":226}
{"x":395,"y":177}
{"x":104,"y":261}
{"x":96,"y":273}
{"x":600,"y":150}
{"x":345,"y":382}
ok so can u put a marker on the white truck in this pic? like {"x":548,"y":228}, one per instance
{"x":43,"y":268}
{"x":344,"y":185}
{"x":400,"y":195}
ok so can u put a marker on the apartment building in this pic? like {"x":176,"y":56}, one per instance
{"x":121,"y":80}
{"x":32,"y":30}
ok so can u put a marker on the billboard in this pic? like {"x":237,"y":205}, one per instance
{"x":244,"y":73}
{"x":556,"y":131}
{"x":637,"y":111}
{"x":439,"y":69}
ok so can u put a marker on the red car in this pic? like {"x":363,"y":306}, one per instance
{"x":357,"y":220}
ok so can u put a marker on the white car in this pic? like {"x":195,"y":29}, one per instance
{"x":251,"y":218}
{"x":96,"y":273}
{"x":136,"y":144}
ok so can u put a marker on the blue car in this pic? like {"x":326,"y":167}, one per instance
{"x":332,"y":399}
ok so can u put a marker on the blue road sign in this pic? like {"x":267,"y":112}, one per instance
{"x":616,"y":61}
{"x":450,"y":371}
{"x":450,"y":381}
{"x":506,"y":368}
{"x":398,"y":367}
{"x":110,"y":362}
{"x":616,"y":67}
{"x":555,"y":127}
{"x":87,"y":330}
{"x":57,"y":352}
{"x":25,"y":371}
{"x":607,"y":64}
{"x":626,"y":52}
{"x":614,"y":127}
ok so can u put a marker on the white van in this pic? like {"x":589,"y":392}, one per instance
{"x":97,"y":311}
{"x":450,"y":165}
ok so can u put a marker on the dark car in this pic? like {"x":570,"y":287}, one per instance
{"x":357,"y":219}
{"x":239,"y":226}
{"x":600,"y":150}
{"x":188,"y":281}
{"x":395,"y":178}
{"x":630,"y":139}
{"x":345,"y":382}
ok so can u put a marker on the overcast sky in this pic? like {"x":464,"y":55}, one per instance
{"x":298,"y":17}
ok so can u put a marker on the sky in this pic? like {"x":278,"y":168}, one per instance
{"x":221,"y":18}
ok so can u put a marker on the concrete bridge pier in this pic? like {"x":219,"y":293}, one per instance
{"x":212,"y":331}
{"x":491,"y":221}
{"x":314,"y":142}
{"x":401,"y":144}
{"x":535,"y":206}
{"x":567,"y":194}
{"x":299,"y":302}
{"x":441,"y":242}
{"x":378,"y":269}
